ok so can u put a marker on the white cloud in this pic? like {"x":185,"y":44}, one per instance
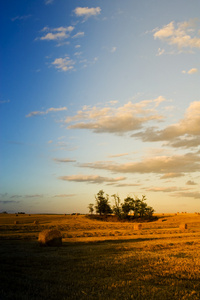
{"x":20,"y":18}
{"x":78,"y":35}
{"x":56,"y":34}
{"x":131,"y":116}
{"x":182,"y":35}
{"x":160,"y":52}
{"x":64,"y":64}
{"x":52,"y":109}
{"x":91,"y":178}
{"x":191,"y":71}
{"x":78,"y":53}
{"x":87,"y":12}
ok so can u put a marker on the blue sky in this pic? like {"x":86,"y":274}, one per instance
{"x":99,"y":95}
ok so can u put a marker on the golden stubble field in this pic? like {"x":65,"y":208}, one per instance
{"x":100,"y":260}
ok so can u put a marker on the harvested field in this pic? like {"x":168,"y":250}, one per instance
{"x":100,"y":260}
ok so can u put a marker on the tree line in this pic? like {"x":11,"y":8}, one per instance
{"x":129,"y":208}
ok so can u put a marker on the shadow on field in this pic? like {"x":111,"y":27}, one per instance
{"x":108,"y":241}
{"x":91,"y":270}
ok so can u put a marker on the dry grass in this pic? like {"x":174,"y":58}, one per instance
{"x":80,"y":228}
{"x":100,"y":260}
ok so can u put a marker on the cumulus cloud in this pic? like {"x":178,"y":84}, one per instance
{"x":52,"y":109}
{"x":162,"y":165}
{"x":56,"y":34}
{"x":182,"y":35}
{"x":87,"y":12}
{"x":193,"y":71}
{"x":185,"y":133}
{"x":91,"y":178}
{"x":63,"y":64}
{"x":131,"y":116}
{"x":64,"y":160}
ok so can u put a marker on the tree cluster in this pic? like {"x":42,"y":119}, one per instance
{"x":130,"y":207}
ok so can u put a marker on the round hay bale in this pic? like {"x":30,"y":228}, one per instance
{"x":137,"y":226}
{"x":50,"y":237}
{"x":16,"y":222}
{"x":36,"y":222}
{"x":183,"y":226}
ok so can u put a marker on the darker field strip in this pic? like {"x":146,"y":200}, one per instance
{"x":139,"y":269}
{"x":100,"y":260}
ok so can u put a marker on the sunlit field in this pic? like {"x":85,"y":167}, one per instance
{"x":100,"y":259}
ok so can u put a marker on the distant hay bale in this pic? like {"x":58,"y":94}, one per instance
{"x":36,"y":222}
{"x":183,"y":226}
{"x":50,"y":237}
{"x":137,"y":226}
{"x":16,"y":222}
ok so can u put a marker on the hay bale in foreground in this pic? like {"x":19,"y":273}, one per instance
{"x":16,"y":222}
{"x":137,"y":226}
{"x":50,"y":237}
{"x":36,"y":222}
{"x":183,"y":226}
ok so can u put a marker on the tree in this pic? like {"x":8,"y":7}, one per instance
{"x":102,"y":205}
{"x":91,"y":208}
{"x":149,"y":211}
{"x":142,"y":207}
{"x":128,"y":205}
{"x":117,"y":208}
